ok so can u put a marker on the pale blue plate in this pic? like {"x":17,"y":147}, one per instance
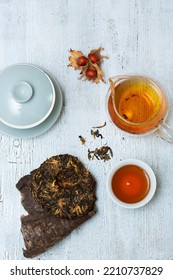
{"x":45,"y":125}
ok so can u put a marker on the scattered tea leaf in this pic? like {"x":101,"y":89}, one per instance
{"x":100,"y":126}
{"x":82,"y":139}
{"x":96,"y":134}
{"x":103,"y":153}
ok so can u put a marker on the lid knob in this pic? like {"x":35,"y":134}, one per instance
{"x":22,"y":92}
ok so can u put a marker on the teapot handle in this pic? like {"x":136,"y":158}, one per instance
{"x":165,"y":131}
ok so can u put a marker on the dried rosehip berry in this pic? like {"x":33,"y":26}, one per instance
{"x":82,"y":61}
{"x":91,"y":74}
{"x":94,"y":57}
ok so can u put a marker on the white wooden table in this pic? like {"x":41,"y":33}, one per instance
{"x":138,"y":37}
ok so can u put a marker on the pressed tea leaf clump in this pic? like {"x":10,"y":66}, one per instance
{"x":64,"y":187}
{"x":88,"y":65}
{"x":55,"y":207}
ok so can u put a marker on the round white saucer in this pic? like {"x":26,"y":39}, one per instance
{"x":44,"y":126}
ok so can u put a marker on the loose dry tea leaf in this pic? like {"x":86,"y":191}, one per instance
{"x":100,"y":126}
{"x":89,"y":66}
{"x":96,"y":134}
{"x":104,"y":153}
{"x":82,"y":139}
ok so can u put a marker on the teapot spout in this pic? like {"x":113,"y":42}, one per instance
{"x":112,"y":86}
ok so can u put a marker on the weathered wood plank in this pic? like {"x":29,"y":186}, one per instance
{"x":137,"y":36}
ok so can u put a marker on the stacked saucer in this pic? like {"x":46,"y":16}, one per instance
{"x":31,"y":101}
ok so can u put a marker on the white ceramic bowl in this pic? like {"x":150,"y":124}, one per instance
{"x":151,"y":176}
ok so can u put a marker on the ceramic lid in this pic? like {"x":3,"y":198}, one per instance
{"x":27,"y":96}
{"x":42,"y":127}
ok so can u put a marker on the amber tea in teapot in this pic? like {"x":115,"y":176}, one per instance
{"x":136,"y":104}
{"x":136,"y":101}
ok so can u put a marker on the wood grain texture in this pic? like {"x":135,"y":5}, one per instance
{"x":137,"y":36}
